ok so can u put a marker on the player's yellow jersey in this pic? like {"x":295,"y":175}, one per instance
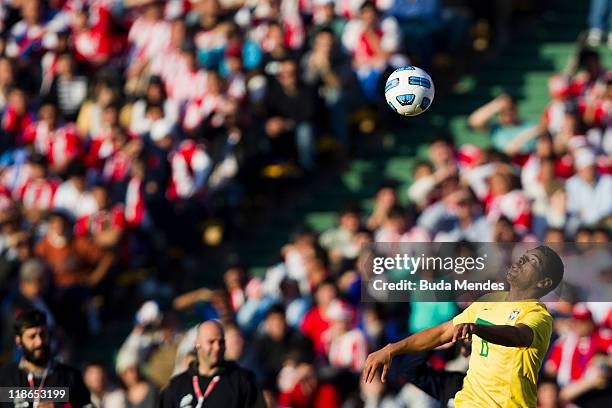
{"x":500,"y":376}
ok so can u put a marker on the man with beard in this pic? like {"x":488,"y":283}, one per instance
{"x":510,"y":333}
{"x":37,"y":370}
{"x":212,"y":381}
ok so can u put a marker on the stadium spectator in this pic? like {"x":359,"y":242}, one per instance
{"x":299,"y":386}
{"x":507,"y":127}
{"x":316,"y":321}
{"x":139,"y":393}
{"x":339,"y":242}
{"x":587,"y":190}
{"x":571,"y":355}
{"x":371,"y":40}
{"x":233,"y":386}
{"x":103,"y":393}
{"x":385,"y":198}
{"x":72,"y":196}
{"x":67,"y":89}
{"x":38,"y":366}
{"x":290,"y":109}
{"x":277,"y":341}
{"x":348,"y":347}
{"x":76,"y":265}
{"x":29,"y":295}
{"x":191,"y":104}
{"x":548,"y":394}
{"x":327,"y":69}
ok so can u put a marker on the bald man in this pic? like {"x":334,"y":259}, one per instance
{"x":212,"y":381}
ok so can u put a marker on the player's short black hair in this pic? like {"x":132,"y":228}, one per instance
{"x":552,"y":266}
{"x":28,"y":319}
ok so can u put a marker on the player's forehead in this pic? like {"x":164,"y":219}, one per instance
{"x":34,"y":331}
{"x":535,"y":255}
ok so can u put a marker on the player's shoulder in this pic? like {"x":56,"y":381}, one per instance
{"x":540,"y":307}
{"x":538,"y":310}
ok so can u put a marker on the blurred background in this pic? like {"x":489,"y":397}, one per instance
{"x":167,"y":162}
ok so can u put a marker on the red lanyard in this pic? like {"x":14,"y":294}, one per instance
{"x":198,"y":391}
{"x":40,"y":386}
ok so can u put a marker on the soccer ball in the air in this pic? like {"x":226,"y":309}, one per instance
{"x":409,"y":91}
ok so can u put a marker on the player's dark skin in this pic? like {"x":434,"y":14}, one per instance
{"x":526,"y":283}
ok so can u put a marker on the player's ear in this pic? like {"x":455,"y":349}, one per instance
{"x":545,"y":283}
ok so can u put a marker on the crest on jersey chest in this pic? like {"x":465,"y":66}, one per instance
{"x":513,"y":315}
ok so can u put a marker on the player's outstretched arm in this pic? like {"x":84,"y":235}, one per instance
{"x":520,"y":335}
{"x":421,"y":341}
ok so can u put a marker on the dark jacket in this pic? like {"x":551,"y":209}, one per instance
{"x":59,"y":375}
{"x":236,"y":389}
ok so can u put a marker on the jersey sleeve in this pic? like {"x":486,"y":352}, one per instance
{"x":541,"y":324}
{"x":468,"y":315}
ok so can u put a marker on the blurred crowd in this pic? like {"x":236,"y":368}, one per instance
{"x":125,"y":125}
{"x":129,"y":127}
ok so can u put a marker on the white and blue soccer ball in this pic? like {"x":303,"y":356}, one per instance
{"x":409,"y":91}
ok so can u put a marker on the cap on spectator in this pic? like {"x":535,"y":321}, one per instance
{"x":584,"y":158}
{"x":339,"y":311}
{"x":581,"y":312}
{"x":148,"y":314}
{"x":161,"y":129}
{"x":31,"y":270}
